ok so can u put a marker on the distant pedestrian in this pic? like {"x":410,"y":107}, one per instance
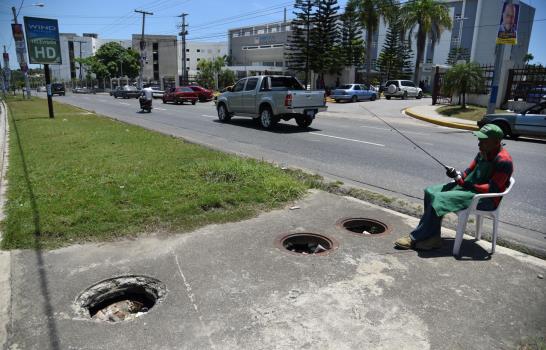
{"x":489,"y":172}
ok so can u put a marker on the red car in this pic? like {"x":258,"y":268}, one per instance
{"x":203,"y":94}
{"x":179,"y":95}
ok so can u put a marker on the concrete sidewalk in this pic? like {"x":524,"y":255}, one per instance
{"x":428,"y":113}
{"x":231,"y":286}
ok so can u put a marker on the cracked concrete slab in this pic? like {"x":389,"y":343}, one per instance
{"x":230,"y":287}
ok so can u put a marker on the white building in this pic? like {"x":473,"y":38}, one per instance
{"x":74,"y":46}
{"x":197,"y":51}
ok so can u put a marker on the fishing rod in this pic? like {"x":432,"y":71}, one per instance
{"x":407,"y":138}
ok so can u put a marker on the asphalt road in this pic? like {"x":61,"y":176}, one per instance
{"x":348,"y":143}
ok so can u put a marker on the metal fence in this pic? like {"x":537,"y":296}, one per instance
{"x":527,"y":83}
{"x":441,"y":96}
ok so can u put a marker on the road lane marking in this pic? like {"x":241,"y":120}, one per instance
{"x":208,"y":116}
{"x":160,"y":109}
{"x":406,"y":132}
{"x":346,"y":139}
{"x":124,"y":103}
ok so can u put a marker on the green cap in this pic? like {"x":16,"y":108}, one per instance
{"x":489,"y":130}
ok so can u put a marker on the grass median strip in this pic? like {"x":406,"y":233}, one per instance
{"x":80,"y":177}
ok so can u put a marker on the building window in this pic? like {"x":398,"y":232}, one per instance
{"x":187,"y":50}
{"x":198,"y":59}
{"x":188,"y":59}
{"x":198,"y":50}
{"x":198,"y":68}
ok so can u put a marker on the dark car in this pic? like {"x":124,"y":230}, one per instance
{"x":57,"y":89}
{"x":179,"y":95}
{"x":202,"y":93}
{"x":531,"y":122}
{"x":127,"y":91}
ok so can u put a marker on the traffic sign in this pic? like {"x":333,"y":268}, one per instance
{"x":43,"y":40}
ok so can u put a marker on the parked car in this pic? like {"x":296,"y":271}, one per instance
{"x":402,"y":89}
{"x":353,"y":93}
{"x":180,"y":94}
{"x":203,"y":94}
{"x":57,"y":89}
{"x":531,"y":122}
{"x":126,"y":91}
{"x":270,"y":98}
{"x":83,"y":90}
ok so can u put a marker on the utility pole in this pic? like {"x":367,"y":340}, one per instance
{"x":80,"y":42}
{"x":7,"y":71}
{"x":309,"y":6}
{"x":183,"y":33}
{"x":499,"y":57}
{"x":142,"y":47}
{"x":22,"y":57}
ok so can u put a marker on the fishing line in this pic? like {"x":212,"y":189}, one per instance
{"x":407,"y":138}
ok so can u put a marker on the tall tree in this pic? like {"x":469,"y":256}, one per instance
{"x":112,"y":60}
{"x":395,"y":58}
{"x":430,"y":17}
{"x":325,"y":38}
{"x":462,"y":78}
{"x":352,"y":45}
{"x":370,"y":12}
{"x":298,"y":50}
{"x":528,"y":57}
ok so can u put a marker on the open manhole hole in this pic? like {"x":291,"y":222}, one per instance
{"x":364,"y":226}
{"x":306,"y":243}
{"x":121,"y":298}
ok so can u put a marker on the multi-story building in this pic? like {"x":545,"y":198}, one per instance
{"x":75,"y":46}
{"x":198,"y":51}
{"x":475,"y":26}
{"x":259,"y":48}
{"x":160,"y":57}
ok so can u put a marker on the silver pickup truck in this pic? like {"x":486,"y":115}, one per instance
{"x":270,"y":98}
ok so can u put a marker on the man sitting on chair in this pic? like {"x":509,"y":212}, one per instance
{"x":489,"y":172}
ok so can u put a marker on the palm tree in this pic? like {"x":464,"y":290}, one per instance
{"x":528,"y":57}
{"x":462,"y":78}
{"x":369,"y":13}
{"x":431,"y":17}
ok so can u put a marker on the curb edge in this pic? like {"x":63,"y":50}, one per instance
{"x":409,"y":112}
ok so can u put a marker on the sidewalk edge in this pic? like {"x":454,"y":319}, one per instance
{"x":5,"y":256}
{"x":413,"y":114}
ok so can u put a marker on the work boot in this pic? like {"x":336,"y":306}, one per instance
{"x":404,"y":242}
{"x":434,"y":242}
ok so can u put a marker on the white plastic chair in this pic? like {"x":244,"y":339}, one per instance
{"x":480,"y":214}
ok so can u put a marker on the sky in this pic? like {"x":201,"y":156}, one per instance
{"x":208,"y":20}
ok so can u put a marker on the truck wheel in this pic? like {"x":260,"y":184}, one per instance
{"x":223,"y":114}
{"x":337,"y":101}
{"x":303,"y":121}
{"x":267,"y":120}
{"x":193,"y":102}
{"x":353,"y":99}
{"x":164,"y":101}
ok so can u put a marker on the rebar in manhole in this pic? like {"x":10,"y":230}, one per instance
{"x":364,"y":226}
{"x":120,"y":299}
{"x":306,"y":243}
